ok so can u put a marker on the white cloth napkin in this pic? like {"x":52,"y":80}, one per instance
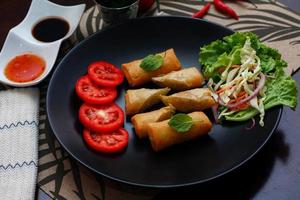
{"x":19,"y":109}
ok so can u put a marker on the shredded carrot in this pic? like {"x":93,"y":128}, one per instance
{"x":223,"y":89}
{"x":221,"y":69}
{"x":232,"y":101}
{"x":235,"y":66}
{"x":240,"y":96}
{"x":243,"y":106}
{"x":243,"y":93}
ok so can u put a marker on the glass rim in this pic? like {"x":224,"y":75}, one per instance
{"x":120,"y":8}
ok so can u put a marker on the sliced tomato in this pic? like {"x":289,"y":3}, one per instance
{"x":105,"y":74}
{"x":111,"y":142}
{"x":103,"y":118}
{"x":93,"y":94}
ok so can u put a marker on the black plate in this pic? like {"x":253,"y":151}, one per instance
{"x":227,"y":147}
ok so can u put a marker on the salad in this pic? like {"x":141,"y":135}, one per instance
{"x":246,"y":77}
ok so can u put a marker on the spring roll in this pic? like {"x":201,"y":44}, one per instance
{"x":139,"y":100}
{"x":141,"y":121}
{"x":190,"y":100}
{"x":161,"y":135}
{"x":184,"y":79}
{"x":136,"y":76}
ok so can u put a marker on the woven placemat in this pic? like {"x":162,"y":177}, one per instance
{"x":63,"y":178}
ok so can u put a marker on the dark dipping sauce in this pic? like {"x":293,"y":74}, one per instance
{"x":50,"y":29}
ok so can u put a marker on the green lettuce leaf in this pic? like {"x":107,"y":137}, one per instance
{"x":214,"y":55}
{"x":224,"y":60}
{"x":281,"y":90}
{"x":242,"y":115}
{"x":270,"y":59}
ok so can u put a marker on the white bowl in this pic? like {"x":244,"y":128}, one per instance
{"x":20,"y":40}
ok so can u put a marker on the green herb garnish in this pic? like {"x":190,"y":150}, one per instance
{"x":181,"y":122}
{"x":152,"y":62}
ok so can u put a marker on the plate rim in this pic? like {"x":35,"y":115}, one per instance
{"x":143,"y":185}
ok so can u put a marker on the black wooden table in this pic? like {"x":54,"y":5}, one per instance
{"x":274,"y":173}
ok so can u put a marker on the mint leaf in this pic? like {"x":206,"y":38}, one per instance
{"x":152,"y":62}
{"x":181,"y":122}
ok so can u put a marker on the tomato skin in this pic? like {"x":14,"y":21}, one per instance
{"x":105,"y":74}
{"x":93,"y":94}
{"x":101,"y":118}
{"x":101,"y":141}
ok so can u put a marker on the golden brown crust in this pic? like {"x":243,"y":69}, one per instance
{"x":184,"y":79}
{"x":161,"y":135}
{"x":136,"y":76}
{"x":139,"y":100}
{"x":190,"y":100}
{"x":141,"y":121}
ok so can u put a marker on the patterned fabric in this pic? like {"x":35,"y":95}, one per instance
{"x":19,"y":143}
{"x":63,"y":178}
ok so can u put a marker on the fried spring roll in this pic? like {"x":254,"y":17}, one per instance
{"x":161,"y":135}
{"x":141,"y":121}
{"x":136,"y":76}
{"x":184,"y":79}
{"x":190,"y":100}
{"x":138,"y":100}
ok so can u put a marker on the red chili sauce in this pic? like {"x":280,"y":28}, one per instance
{"x":25,"y":68}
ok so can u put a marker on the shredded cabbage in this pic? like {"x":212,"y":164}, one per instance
{"x":244,"y":57}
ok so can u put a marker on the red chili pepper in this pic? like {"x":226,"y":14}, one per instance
{"x":202,"y":11}
{"x":222,"y":7}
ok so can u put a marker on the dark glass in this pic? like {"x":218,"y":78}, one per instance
{"x":117,"y":11}
{"x":115,"y":3}
{"x":50,"y":29}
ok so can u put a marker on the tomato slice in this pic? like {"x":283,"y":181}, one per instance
{"x":111,"y":142}
{"x":93,"y":94}
{"x":105,"y":74}
{"x":103,"y":118}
